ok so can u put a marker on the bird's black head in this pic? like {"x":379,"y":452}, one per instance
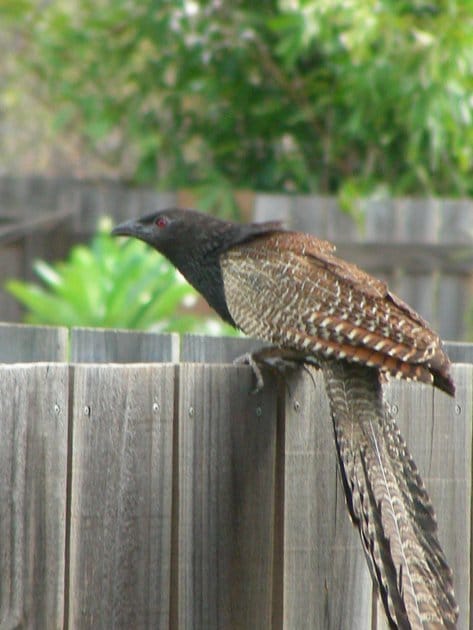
{"x":183,"y":236}
{"x":193,"y":242}
{"x":167,"y":230}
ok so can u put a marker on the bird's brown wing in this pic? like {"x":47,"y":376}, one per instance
{"x":342,"y":312}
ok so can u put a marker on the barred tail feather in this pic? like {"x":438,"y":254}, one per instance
{"x":388,"y":503}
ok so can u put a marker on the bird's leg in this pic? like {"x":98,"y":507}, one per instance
{"x":273,"y":357}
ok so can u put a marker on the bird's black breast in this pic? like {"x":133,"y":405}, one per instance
{"x":206,"y":277}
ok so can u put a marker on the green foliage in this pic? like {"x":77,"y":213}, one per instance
{"x":117,"y":283}
{"x":288,"y":95}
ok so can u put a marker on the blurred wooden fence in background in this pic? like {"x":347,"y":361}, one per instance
{"x":145,"y":486}
{"x":423,"y":247}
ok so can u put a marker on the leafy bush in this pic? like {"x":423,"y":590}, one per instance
{"x":274,"y":95}
{"x":117,"y":283}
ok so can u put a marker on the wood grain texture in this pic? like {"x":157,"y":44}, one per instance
{"x":438,"y":432}
{"x":33,"y":470}
{"x":121,"y":496}
{"x":11,"y":266}
{"x":94,"y":345}
{"x":327,"y":585}
{"x":459,"y":351}
{"x":226,"y":488}
{"x":30,"y":344}
{"x":204,"y":349}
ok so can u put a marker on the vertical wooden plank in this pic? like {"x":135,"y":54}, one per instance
{"x":450,"y":468}
{"x":101,"y":345}
{"x":226,"y":477}
{"x":10,"y":267}
{"x":456,"y":221}
{"x":341,"y":225}
{"x":121,"y":496}
{"x":310,"y":214}
{"x":204,"y":349}
{"x":459,"y":351}
{"x":419,"y":290}
{"x":327,"y":585}
{"x":419,"y":220}
{"x":438,"y":431}
{"x":33,"y":470}
{"x":381,"y":219}
{"x":274,"y":207}
{"x":29,"y":344}
{"x":454,"y":299}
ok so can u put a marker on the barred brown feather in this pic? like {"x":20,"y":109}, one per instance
{"x":311,"y":301}
{"x":388,"y":502}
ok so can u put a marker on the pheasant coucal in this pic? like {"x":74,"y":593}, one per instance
{"x":288,"y":288}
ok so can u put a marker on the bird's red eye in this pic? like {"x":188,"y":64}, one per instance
{"x":161,"y":222}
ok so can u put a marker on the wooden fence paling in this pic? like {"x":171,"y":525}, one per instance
{"x":203,"y":349}
{"x":89,"y":345}
{"x":33,"y":470}
{"x":438,"y":432}
{"x":326,"y":580}
{"x":193,"y":503}
{"x":29,"y":344}
{"x":121,"y":496}
{"x":226,"y":488}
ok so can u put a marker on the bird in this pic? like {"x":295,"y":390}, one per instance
{"x":290,"y":290}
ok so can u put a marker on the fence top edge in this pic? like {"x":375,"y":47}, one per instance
{"x":152,"y":364}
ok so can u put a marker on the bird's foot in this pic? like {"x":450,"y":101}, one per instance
{"x":249,"y":359}
{"x":271,"y":357}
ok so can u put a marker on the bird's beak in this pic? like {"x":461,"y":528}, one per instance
{"x":128,"y":228}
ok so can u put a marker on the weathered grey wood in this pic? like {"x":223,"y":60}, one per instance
{"x":454,"y":299}
{"x":408,"y":256}
{"x":419,"y":220}
{"x":310,"y":214}
{"x":380,"y":219}
{"x":204,"y":349}
{"x":226,"y":490}
{"x":327,"y":585}
{"x":94,"y":200}
{"x":29,"y":344}
{"x":121,"y":496}
{"x":438,"y":431}
{"x":274,"y":207}
{"x":341,"y":225}
{"x":459,"y":351}
{"x":33,"y":473}
{"x":419,"y":290}
{"x":32,"y":224}
{"x":11,"y":266}
{"x":456,"y":221}
{"x":101,"y":345}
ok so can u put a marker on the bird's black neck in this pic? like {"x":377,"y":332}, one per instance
{"x":198,"y":258}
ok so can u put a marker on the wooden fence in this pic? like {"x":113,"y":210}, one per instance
{"x":422,"y":247}
{"x":145,"y":486}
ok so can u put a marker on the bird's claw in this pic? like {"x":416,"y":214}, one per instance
{"x":249,"y":359}
{"x":268,"y":358}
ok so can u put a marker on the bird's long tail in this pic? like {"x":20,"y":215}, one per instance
{"x":388,"y":503}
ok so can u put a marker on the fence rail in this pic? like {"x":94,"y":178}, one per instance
{"x":145,"y":486}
